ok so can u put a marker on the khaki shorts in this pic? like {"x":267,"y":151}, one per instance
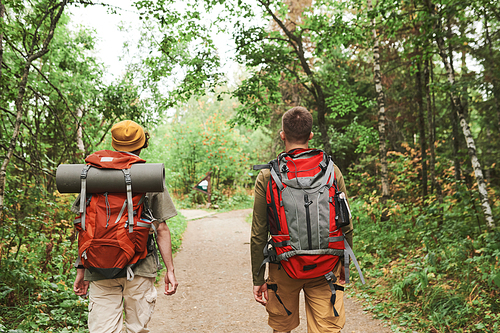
{"x":109,"y":298}
{"x":319,"y":309}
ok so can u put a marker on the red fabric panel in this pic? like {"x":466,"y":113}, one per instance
{"x":294,"y":266}
{"x":108,"y":159}
{"x":309,"y":165}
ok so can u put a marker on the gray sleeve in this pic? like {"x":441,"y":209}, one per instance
{"x":161,"y":205}
{"x":75,"y":207}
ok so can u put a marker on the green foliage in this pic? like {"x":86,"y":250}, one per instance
{"x":41,"y":242}
{"x":177,"y":39}
{"x":429,"y":268}
{"x":199,"y":140}
{"x":177,"y":226}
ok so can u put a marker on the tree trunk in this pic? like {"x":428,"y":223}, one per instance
{"x":31,"y":56}
{"x":2,"y":13}
{"x":455,"y":141}
{"x":377,"y":79}
{"x":323,"y":129}
{"x":430,"y":129}
{"x":489,"y":154}
{"x":421,"y":121}
{"x":492,"y":64}
{"x":79,"y":136}
{"x":469,"y":139}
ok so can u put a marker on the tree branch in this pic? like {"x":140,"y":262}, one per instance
{"x":28,"y":162}
{"x":78,"y":120}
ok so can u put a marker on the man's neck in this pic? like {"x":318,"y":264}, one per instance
{"x":291,"y":146}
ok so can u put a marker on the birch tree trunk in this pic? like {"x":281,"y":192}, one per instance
{"x":54,"y":12}
{"x":79,"y":135}
{"x":455,"y":141}
{"x":488,"y":153}
{"x":471,"y":147}
{"x":377,"y":79}
{"x":2,"y":13}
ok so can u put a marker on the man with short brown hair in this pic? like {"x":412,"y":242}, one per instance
{"x":108,"y":298}
{"x":282,"y":302}
{"x":297,"y":124}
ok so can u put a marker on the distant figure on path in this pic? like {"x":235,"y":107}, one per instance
{"x":131,"y":289}
{"x":280,"y":293}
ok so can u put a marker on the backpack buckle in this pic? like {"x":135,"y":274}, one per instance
{"x":331,"y":277}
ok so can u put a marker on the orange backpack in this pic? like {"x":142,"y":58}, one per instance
{"x":108,"y":243}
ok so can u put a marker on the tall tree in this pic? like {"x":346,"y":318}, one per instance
{"x":421,"y":123}
{"x":492,"y":65}
{"x":35,"y":47}
{"x":430,"y":129}
{"x":2,"y":13}
{"x":377,"y":79}
{"x":294,"y":39}
{"x":457,"y":104}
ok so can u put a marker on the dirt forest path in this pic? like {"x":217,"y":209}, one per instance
{"x":215,"y":283}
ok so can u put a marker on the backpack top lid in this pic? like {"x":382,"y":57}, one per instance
{"x":108,"y":159}
{"x":303,"y":168}
{"x":303,"y":162}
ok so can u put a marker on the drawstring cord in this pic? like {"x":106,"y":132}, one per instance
{"x":108,"y":209}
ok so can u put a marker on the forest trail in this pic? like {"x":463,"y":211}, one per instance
{"x":215,"y":283}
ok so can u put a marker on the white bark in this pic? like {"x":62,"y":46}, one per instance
{"x":2,"y":13}
{"x":79,"y":136}
{"x":377,"y":79}
{"x":471,"y":147}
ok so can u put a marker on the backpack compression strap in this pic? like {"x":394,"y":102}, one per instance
{"x":130,"y":204}
{"x":348,"y":253}
{"x":83,"y":193}
{"x":331,"y":278}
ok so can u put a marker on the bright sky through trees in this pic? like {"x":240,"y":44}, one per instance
{"x":110,"y":37}
{"x":115,"y":29}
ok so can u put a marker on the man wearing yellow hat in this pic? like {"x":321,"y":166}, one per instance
{"x":109,"y":297}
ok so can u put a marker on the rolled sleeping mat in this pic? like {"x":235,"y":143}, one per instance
{"x":145,"y":178}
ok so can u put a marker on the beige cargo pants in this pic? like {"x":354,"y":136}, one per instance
{"x":319,"y":309}
{"x":108,"y":299}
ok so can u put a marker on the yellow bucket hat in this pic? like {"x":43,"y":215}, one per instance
{"x":127,"y":136}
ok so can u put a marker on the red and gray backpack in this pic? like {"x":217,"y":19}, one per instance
{"x":305,"y":214}
{"x":113,"y":227}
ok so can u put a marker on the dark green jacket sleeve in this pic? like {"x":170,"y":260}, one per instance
{"x":347,"y":230}
{"x":259,"y":232}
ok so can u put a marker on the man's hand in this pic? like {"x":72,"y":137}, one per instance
{"x":260,"y":294}
{"x":170,"y":283}
{"x":80,"y":287}
{"x":342,"y":275}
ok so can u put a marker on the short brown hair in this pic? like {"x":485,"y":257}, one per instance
{"x":297,"y":124}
